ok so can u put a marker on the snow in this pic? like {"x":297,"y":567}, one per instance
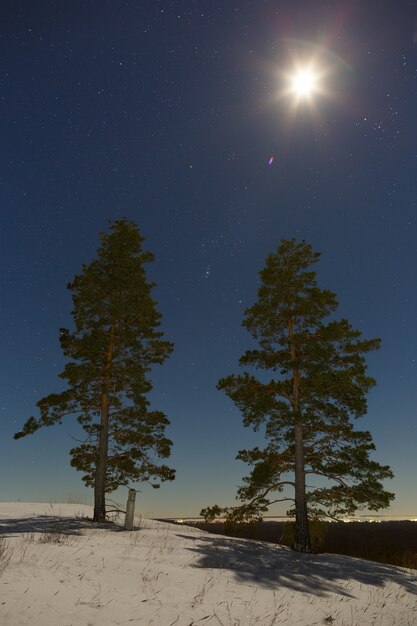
{"x":166,"y":575}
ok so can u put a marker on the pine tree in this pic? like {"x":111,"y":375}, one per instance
{"x":317,"y":389}
{"x":115,"y":343}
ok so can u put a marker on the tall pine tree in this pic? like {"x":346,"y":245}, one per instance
{"x":317,"y":389}
{"x":115,"y":343}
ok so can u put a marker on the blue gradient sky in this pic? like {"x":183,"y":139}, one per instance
{"x":165,"y":112}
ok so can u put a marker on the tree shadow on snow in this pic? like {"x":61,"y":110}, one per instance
{"x":274,"y":565}
{"x":11,"y":527}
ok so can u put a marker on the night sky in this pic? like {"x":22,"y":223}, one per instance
{"x":172,"y":114}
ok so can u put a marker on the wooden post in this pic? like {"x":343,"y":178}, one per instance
{"x":130,"y":509}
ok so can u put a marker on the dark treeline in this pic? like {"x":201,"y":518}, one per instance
{"x":393,"y":542}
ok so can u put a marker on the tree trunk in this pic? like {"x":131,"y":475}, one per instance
{"x":101,"y":465}
{"x":103,"y":441}
{"x":302,"y":541}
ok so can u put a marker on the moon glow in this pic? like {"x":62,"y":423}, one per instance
{"x":304,"y":82}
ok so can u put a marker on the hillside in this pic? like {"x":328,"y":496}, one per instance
{"x":60,"y":570}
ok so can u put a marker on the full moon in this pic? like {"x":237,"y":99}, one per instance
{"x":304,"y":82}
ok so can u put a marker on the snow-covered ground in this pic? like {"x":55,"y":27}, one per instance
{"x":65,"y":572}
